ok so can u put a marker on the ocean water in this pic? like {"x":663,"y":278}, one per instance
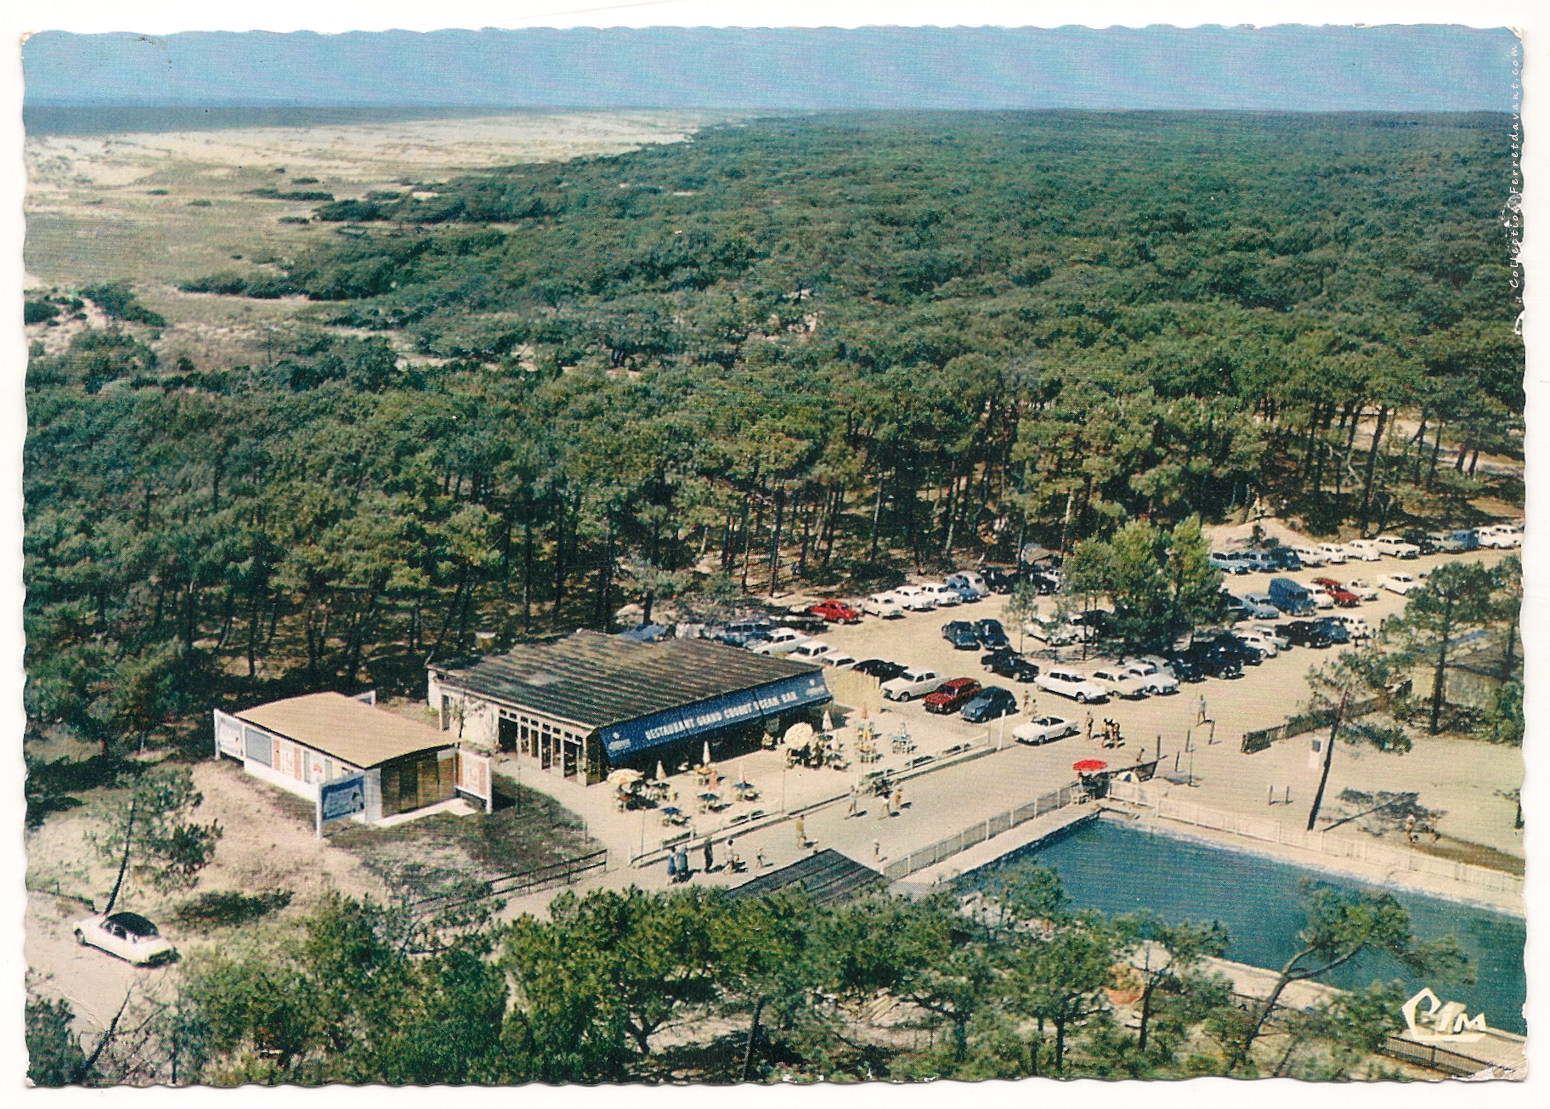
{"x":73,"y":119}
{"x":1118,"y":868}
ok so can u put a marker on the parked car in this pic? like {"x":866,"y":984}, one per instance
{"x":1212,"y":662}
{"x":960,"y":633}
{"x":998,"y":580}
{"x":880,"y":668}
{"x":914,"y":598}
{"x":1400,"y":583}
{"x":1338,"y":633}
{"x":1291,"y":597}
{"x":1007,"y":663}
{"x":1320,"y":596}
{"x":1500,"y":536}
{"x":1260,"y":561}
{"x":1361,"y":588}
{"x":779,"y":641}
{"x":1152,"y":676}
{"x":1261,"y":606}
{"x":1342,"y":596}
{"x":911,"y":684}
{"x":1355,"y":625}
{"x":812,"y":651}
{"x":802,"y":622}
{"x":1049,"y":630}
{"x":1397,"y":547}
{"x":129,"y":936}
{"x":1456,"y":542}
{"x":944,"y":595}
{"x":739,"y":633}
{"x":1283,"y":558}
{"x":989,"y":704}
{"x":1307,"y":633}
{"x":992,"y":635}
{"x":1119,"y":682}
{"x":1272,"y":635}
{"x":887,"y":605}
{"x":1043,"y":729}
{"x":1070,"y":683}
{"x":1309,"y":556}
{"x":1180,"y":668}
{"x":1233,"y":606}
{"x":1366,"y":550}
{"x":1229,"y":563}
{"x":1423,"y":541}
{"x":839,"y":660}
{"x":1334,"y":553}
{"x":951,"y":695}
{"x":969,"y":584}
{"x":836,"y":612}
{"x":1044,"y":583}
{"x":1261,"y":643}
{"x":1235,"y":647}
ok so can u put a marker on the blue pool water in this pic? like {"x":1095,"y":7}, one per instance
{"x":1119,"y":868}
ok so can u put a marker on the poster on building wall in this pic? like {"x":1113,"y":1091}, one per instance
{"x":474,"y":777}
{"x":340,"y":799}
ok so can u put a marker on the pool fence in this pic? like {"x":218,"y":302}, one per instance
{"x":1271,"y":831}
{"x":979,"y":832}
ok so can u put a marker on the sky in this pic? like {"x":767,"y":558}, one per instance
{"x":1278,"y":68}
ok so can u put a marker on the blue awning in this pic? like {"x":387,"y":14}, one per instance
{"x":623,"y":741}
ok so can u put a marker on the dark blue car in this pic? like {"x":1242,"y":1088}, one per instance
{"x":991,"y":634}
{"x":988,"y":704}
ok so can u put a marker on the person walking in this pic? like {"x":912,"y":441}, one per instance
{"x":896,"y":802}
{"x":758,"y":859}
{"x":683,"y":865}
{"x":672,"y":867}
{"x":801,"y":833}
{"x":1089,"y":725}
{"x":1202,"y":718}
{"x":853,"y":808}
{"x":710,"y":858}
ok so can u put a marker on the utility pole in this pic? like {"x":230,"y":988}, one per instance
{"x":1329,"y":755}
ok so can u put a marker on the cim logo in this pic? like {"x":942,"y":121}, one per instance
{"x":1441,"y":1023}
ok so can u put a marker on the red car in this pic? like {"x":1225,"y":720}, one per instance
{"x":1338,"y":593}
{"x":836,"y":612}
{"x":951,"y":696}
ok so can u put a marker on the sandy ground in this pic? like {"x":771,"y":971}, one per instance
{"x":156,"y":209}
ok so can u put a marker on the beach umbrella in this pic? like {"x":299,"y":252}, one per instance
{"x":625,"y":777}
{"x":799,"y":733}
{"x":705,"y":761}
{"x":661,"y":774}
{"x":828,"y":721}
{"x":742,"y":775}
{"x":1089,"y":766}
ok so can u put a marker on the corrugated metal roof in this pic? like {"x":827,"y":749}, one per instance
{"x":828,"y":877}
{"x":345,"y":728}
{"x":597,"y":680}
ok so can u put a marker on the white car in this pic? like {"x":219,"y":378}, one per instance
{"x":1119,"y":683}
{"x":885,"y":605}
{"x":1500,"y":536}
{"x":1367,"y":550}
{"x":1334,"y":553}
{"x":837,"y":660}
{"x":1262,"y":643}
{"x":911,"y":684}
{"x":1050,"y":630}
{"x":1363,"y":589}
{"x":814,"y":650}
{"x":1320,"y":596}
{"x":1394,"y":545}
{"x":128,"y":935}
{"x":942,"y":594}
{"x":1068,"y":683}
{"x":914,"y":599}
{"x":1043,"y":729}
{"x":1355,"y":626}
{"x":1152,"y":676}
{"x":1271,"y":635}
{"x":780,"y":641}
{"x":1309,"y":556}
{"x":1399,"y":583}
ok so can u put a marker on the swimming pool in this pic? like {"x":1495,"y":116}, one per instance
{"x":1120,"y":868}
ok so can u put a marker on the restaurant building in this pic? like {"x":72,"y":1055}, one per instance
{"x":590,"y":703}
